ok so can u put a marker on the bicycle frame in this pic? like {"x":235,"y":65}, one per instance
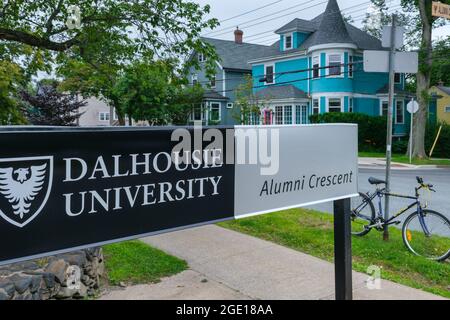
{"x":380,"y":193}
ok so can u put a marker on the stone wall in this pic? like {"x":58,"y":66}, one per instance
{"x":74,"y":275}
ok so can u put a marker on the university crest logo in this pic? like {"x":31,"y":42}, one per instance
{"x":25,"y":185}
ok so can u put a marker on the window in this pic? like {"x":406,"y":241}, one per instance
{"x":194,"y":79}
{"x":269,"y":74}
{"x":215,"y":112}
{"x":213,"y":82}
{"x":301,"y":114}
{"x":350,"y":67}
{"x":278,"y":115}
{"x":115,"y":116}
{"x":399,"y":112}
{"x":287,"y":115}
{"x":267,"y":117}
{"x":230,"y":105}
{"x":316,"y":106}
{"x":316,"y":67}
{"x":350,"y":104}
{"x":334,"y":105}
{"x":201,"y":57}
{"x":103,"y":116}
{"x":397,"y":78}
{"x":288,"y":42}
{"x":334,"y":63}
{"x":447,"y":109}
{"x":384,"y":108}
{"x":197,"y":112}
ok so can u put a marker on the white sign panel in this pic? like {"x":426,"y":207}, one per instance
{"x":378,"y":61}
{"x":412,"y":106}
{"x":317,"y":163}
{"x":386,"y":37}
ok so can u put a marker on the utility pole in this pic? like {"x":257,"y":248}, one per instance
{"x":389,"y":125}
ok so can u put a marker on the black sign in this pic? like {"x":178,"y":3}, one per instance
{"x":66,"y":189}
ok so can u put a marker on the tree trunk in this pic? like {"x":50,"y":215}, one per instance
{"x":423,"y":83}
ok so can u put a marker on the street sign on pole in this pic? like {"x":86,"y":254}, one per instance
{"x":440,"y":9}
{"x":390,"y":124}
{"x":378,"y":61}
{"x":412,"y":108}
{"x":386,"y":37}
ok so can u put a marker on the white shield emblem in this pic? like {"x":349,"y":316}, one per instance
{"x":25,"y":185}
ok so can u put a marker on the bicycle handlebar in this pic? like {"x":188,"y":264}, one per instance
{"x":424,"y":185}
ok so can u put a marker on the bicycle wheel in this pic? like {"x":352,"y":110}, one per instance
{"x":362,"y":215}
{"x":436,"y":246}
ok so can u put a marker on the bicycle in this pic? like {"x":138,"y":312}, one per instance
{"x":425,"y":232}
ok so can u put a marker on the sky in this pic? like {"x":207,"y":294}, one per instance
{"x":272,"y":17}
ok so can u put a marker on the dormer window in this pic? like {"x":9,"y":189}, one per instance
{"x":288,"y":41}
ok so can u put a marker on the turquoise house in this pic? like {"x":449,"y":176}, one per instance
{"x":316,"y":67}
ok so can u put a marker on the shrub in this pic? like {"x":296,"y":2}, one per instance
{"x":400,"y":146}
{"x":371,"y":130}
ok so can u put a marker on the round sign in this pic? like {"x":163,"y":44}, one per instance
{"x":412,"y":106}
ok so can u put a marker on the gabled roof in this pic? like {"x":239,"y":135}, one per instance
{"x":297,"y":25}
{"x":281,"y":92}
{"x":235,"y":56}
{"x":444,"y":89}
{"x":332,"y":29}
{"x":213,"y":95}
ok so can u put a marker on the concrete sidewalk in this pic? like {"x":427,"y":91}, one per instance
{"x":225,"y":264}
{"x":380,"y":163}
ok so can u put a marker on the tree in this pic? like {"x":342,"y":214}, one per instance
{"x":48,"y":106}
{"x":10,"y":80}
{"x":150,"y":91}
{"x":247,"y":102}
{"x":91,"y":43}
{"x":419,"y":23}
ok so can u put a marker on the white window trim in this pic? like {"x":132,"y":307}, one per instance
{"x":312,"y":104}
{"x":194,"y":77}
{"x":265,"y":73}
{"x":220,"y":110}
{"x":202,"y":56}
{"x":447,"y":109}
{"x":103,"y":113}
{"x":328,"y":103}
{"x":312,"y":69}
{"x":215,"y":82}
{"x":341,"y":54}
{"x":381,"y":106}
{"x":230,"y":105}
{"x":403,"y":110}
{"x":353,"y":65}
{"x":202,"y":106}
{"x":352,"y":104}
{"x":285,"y":42}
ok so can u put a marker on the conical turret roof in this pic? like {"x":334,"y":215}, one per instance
{"x":332,"y":28}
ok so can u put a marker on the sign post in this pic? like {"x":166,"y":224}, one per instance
{"x":342,"y":250}
{"x":412,"y":108}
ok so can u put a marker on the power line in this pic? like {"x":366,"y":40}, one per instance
{"x":251,"y":11}
{"x":278,"y":74}
{"x":284,"y":15}
{"x":243,"y":24}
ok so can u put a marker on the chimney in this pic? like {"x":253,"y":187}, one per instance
{"x":238,"y":35}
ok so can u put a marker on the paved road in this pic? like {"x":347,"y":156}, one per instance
{"x":404,"y":181}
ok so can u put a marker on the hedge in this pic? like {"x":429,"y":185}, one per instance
{"x":371,"y":130}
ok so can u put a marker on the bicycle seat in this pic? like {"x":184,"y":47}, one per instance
{"x":373,"y":180}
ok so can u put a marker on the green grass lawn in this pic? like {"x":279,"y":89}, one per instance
{"x":404,"y":159}
{"x":312,"y":232}
{"x":135,"y":262}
